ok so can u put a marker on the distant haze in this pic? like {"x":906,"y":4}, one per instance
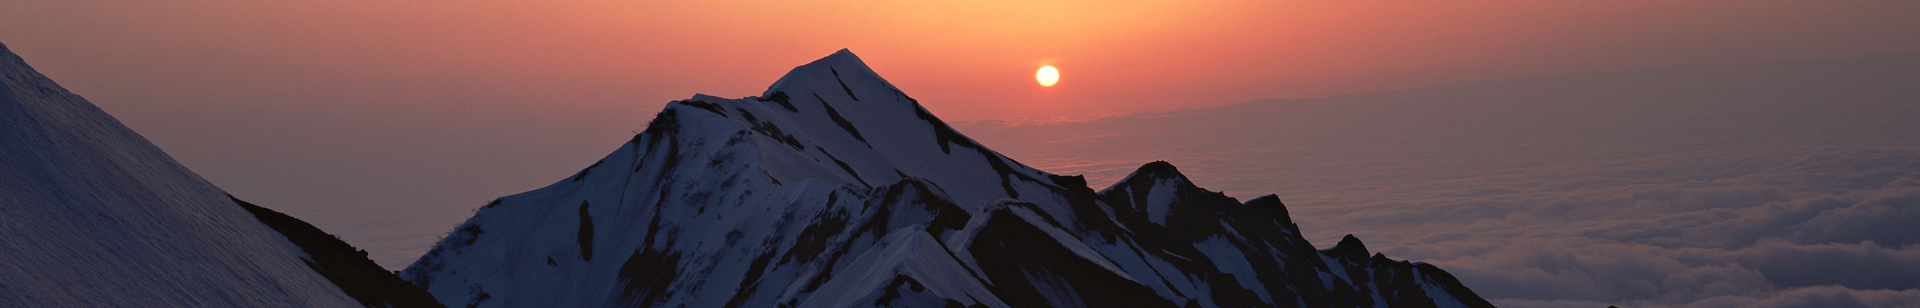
{"x":1780,"y":184}
{"x":388,"y":121}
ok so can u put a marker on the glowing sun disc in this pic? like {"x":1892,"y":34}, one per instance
{"x":1047,"y":76}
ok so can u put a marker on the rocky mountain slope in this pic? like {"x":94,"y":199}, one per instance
{"x":836,"y":189}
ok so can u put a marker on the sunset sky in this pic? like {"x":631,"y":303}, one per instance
{"x":373,"y":61}
{"x":393,"y":119}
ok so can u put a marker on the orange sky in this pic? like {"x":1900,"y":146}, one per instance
{"x":967,"y":60}
{"x":349,"y":112}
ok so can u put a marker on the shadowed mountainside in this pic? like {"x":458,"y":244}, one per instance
{"x":835,"y":189}
{"x":93,"y":215}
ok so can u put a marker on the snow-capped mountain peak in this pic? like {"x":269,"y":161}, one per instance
{"x":860,"y":130}
{"x":834,"y":189}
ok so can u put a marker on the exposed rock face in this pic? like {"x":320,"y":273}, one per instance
{"x":342,"y":264}
{"x":835,"y":189}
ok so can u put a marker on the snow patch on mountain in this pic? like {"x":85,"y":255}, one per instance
{"x":93,"y":215}
{"x":835,"y":189}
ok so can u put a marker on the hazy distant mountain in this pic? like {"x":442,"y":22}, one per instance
{"x":93,"y":215}
{"x":835,"y":189}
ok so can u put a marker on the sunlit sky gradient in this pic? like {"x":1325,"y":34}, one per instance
{"x":379,"y":117}
{"x":968,"y":60}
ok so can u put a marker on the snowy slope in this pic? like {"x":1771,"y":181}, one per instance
{"x":835,"y":189}
{"x":92,"y":215}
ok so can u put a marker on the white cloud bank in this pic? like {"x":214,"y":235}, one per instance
{"x":1791,"y":184}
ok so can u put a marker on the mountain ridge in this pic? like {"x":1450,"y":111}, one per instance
{"x":834,"y":189}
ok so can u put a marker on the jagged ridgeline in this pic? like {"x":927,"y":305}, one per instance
{"x":835,"y":189}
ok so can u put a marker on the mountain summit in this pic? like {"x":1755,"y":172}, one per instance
{"x":835,"y":189}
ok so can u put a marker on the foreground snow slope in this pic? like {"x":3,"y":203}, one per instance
{"x":835,"y":189}
{"x":92,"y":215}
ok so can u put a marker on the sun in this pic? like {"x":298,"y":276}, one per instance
{"x":1047,"y":76}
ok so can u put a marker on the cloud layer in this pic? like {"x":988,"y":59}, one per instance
{"x":1790,"y":184}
